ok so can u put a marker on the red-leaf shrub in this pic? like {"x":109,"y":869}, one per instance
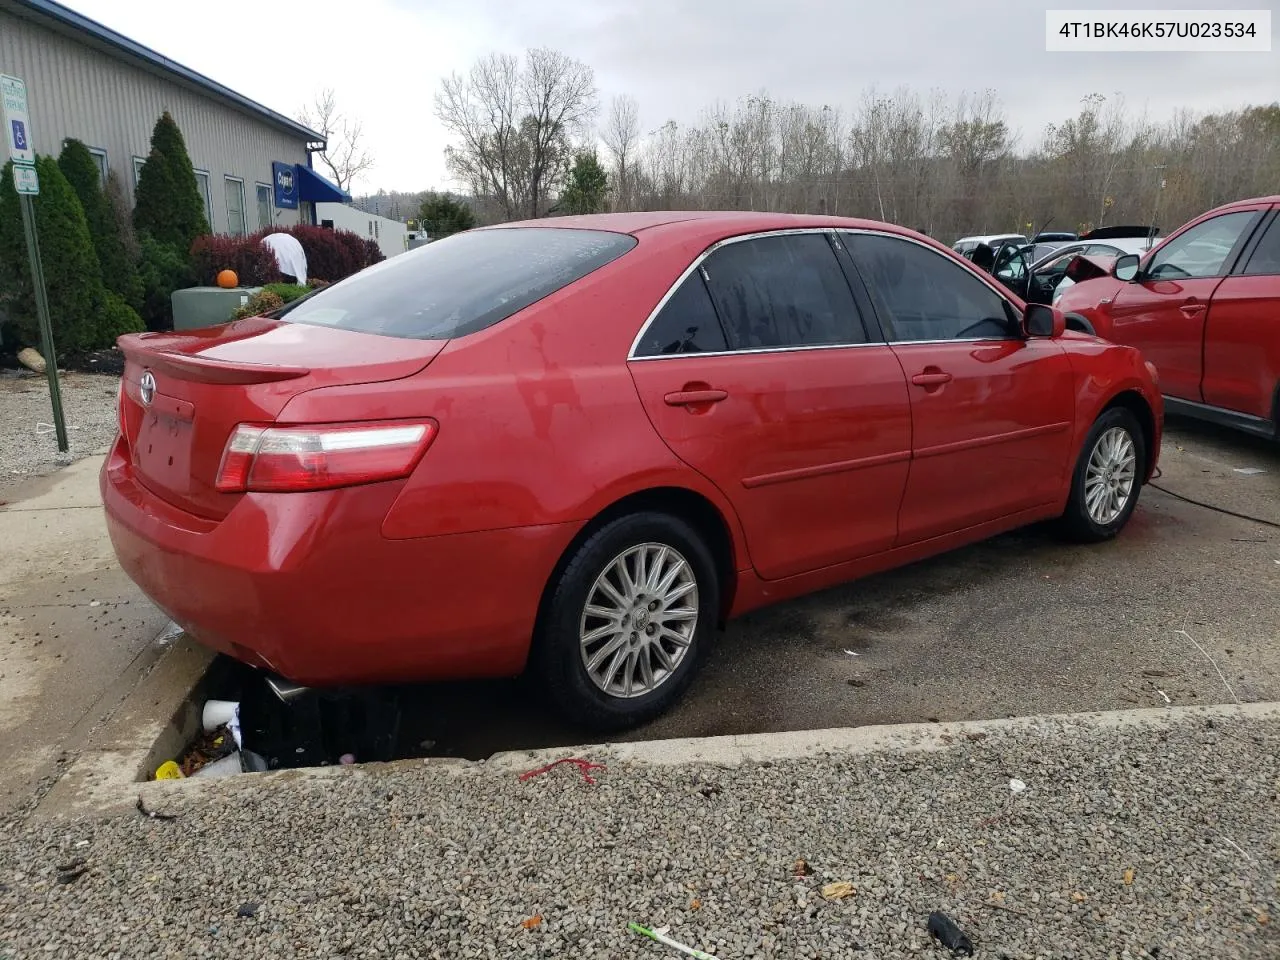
{"x":332,"y":255}
{"x":253,"y":262}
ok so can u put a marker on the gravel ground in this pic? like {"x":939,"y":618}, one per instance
{"x":28,"y":446}
{"x":1148,"y":842}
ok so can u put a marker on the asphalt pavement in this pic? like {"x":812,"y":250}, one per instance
{"x":1019,"y":625}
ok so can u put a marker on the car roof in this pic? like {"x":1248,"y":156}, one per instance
{"x":707,"y":225}
{"x":1241,"y":203}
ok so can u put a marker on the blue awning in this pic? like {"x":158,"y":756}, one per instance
{"x":313,"y":187}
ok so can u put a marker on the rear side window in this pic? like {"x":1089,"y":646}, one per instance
{"x":462,"y":283}
{"x":687,"y":323}
{"x":782,"y":291}
{"x":1265,"y":259}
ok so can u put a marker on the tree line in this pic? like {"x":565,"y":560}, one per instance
{"x":526,"y":134}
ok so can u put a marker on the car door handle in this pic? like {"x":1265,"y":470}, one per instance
{"x":691,"y":398}
{"x":1191,"y":309}
{"x":932,"y":378}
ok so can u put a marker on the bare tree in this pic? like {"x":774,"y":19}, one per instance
{"x":621,"y":138}
{"x":344,"y":155}
{"x":516,"y":125}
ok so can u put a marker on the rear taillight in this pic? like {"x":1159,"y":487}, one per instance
{"x":121,"y":423}
{"x":320,"y":456}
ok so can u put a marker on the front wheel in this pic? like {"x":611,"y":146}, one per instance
{"x":627,"y":622}
{"x":1107,"y":478}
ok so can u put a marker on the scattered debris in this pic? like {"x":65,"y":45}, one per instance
{"x":154,"y":814}
{"x":169,"y":771}
{"x":945,"y":930}
{"x":1213,"y":663}
{"x":852,"y":653}
{"x":70,"y":865}
{"x":1128,"y":876}
{"x":30,"y":358}
{"x":695,"y":904}
{"x":170,"y":633}
{"x":1016,"y":785}
{"x":347,"y":759}
{"x":247,"y":910}
{"x":975,"y":736}
{"x":1249,"y":471}
{"x":1165,"y":695}
{"x":1248,"y":539}
{"x":839,"y":890}
{"x":582,"y":765}
{"x":1078,"y":897}
{"x":71,"y":876}
{"x":1156,"y":673}
{"x":660,"y":935}
{"x":709,"y":790}
{"x":802,"y":868}
{"x":534,"y":921}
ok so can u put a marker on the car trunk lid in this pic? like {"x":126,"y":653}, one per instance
{"x":183,"y":393}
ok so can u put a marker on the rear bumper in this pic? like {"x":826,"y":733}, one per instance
{"x":306,"y":586}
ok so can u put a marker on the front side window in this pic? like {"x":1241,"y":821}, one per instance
{"x":235,"y":206}
{"x":1201,"y":251}
{"x":924,"y":296}
{"x":687,"y":323}
{"x":782,"y":291}
{"x":460,"y":284}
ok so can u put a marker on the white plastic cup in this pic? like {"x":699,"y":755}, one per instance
{"x":218,"y":713}
{"x":228,"y":766}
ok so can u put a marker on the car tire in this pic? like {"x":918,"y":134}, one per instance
{"x":1114,"y":453}
{"x":610,"y":694}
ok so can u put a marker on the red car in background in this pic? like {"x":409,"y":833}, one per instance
{"x":581,"y":444}
{"x":1204,"y":307}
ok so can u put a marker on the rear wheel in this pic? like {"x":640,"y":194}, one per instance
{"x":628,"y":621}
{"x":1107,"y":477}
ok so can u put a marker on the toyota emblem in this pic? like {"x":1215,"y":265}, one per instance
{"x":147,"y":388}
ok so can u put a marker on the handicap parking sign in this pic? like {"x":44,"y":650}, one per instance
{"x":20,"y":135}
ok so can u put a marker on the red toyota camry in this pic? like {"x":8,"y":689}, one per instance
{"x":581,"y":444}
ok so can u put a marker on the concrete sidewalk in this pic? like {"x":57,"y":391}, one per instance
{"x":75,"y":634}
{"x":1141,"y":834}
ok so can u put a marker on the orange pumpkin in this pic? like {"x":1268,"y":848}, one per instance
{"x":228,"y":279}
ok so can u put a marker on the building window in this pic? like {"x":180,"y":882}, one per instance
{"x":137,"y":169}
{"x":235,"y":206}
{"x":202,"y":182}
{"x":265,"y":219}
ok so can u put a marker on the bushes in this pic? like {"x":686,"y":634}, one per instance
{"x":168,"y":205}
{"x":117,"y":262}
{"x":287,"y":292}
{"x":84,"y":315}
{"x":163,"y":269}
{"x":264,"y":301}
{"x":331,"y":255}
{"x":334,"y":254}
{"x":253,"y":263}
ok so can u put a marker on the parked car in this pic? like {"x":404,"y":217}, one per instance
{"x":1204,"y":308}
{"x":1050,"y":236}
{"x":965,"y":246}
{"x":580,"y":444}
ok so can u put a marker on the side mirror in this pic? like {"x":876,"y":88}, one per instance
{"x":1126,"y":267}
{"x":1041,"y":320}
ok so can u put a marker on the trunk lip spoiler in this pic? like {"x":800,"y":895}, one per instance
{"x":204,"y":370}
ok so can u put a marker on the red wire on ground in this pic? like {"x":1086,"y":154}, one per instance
{"x":583,"y":767}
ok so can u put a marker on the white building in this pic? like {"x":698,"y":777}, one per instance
{"x":392,"y":236}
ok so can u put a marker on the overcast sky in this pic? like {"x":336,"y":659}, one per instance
{"x":385,"y":58}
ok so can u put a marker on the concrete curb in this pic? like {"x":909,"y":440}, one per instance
{"x":153,"y":723}
{"x":888,"y":738}
{"x":111,"y":775}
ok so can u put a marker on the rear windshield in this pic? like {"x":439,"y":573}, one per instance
{"x":460,"y":284}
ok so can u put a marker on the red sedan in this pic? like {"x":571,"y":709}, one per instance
{"x":582,"y":444}
{"x":1204,"y":307}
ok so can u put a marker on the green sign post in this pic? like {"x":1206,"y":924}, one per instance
{"x":17,"y":126}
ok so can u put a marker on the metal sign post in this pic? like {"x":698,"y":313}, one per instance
{"x":17,"y":126}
